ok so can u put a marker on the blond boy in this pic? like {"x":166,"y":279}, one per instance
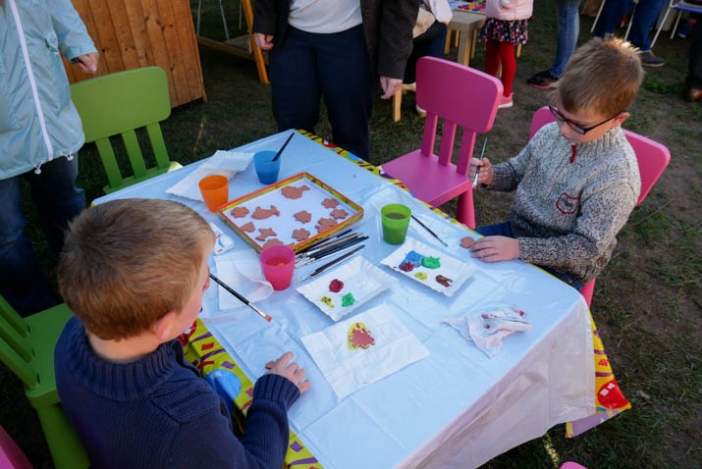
{"x":134,"y":272}
{"x":577,"y":180}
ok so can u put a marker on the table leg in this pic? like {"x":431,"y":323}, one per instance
{"x":397,"y":106}
{"x":464,"y":47}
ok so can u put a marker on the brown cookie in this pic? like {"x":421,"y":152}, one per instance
{"x":303,"y":216}
{"x":301,"y":234}
{"x":262,"y":214}
{"x":249,"y":227}
{"x":324,"y":224}
{"x":240,"y":212}
{"x":292,"y":192}
{"x":339,"y":214}
{"x":265,"y":233}
{"x":272,"y":242}
{"x":467,"y":242}
{"x":330,"y":203}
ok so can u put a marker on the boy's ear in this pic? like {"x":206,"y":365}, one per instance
{"x":163,"y":327}
{"x":619,"y":120}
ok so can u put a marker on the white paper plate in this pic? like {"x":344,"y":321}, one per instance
{"x":455,"y":270}
{"x":361,"y":278}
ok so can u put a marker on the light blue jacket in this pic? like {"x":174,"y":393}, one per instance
{"x":38,"y":121}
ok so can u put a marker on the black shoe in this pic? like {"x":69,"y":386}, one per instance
{"x":649,"y":59}
{"x":542,"y":80}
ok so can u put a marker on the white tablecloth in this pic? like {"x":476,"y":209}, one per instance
{"x":455,"y":408}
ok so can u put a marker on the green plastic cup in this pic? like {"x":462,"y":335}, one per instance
{"x":395,"y":218}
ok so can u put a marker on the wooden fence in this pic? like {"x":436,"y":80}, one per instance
{"x":136,"y":33}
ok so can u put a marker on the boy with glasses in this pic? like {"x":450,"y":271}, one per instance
{"x":577,"y":180}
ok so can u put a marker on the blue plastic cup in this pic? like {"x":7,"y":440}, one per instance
{"x":266,"y":169}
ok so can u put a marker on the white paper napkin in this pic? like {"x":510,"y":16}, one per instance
{"x":225,"y":163}
{"x":487,"y":329}
{"x":241,"y":270}
{"x":383,"y":346}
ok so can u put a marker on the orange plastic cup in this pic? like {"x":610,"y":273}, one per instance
{"x":215,"y":191}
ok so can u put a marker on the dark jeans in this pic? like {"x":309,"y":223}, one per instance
{"x":694,"y":75}
{"x":22,"y":282}
{"x":428,"y":44}
{"x":505,"y":229}
{"x":645,"y":16}
{"x":333,"y":66}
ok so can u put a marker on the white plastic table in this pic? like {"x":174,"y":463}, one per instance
{"x":455,"y":408}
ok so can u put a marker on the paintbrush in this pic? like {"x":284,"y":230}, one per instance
{"x":329,"y":265}
{"x":328,"y":252}
{"x":321,"y":242}
{"x":431,"y":232}
{"x":477,"y":171}
{"x":277,"y":155}
{"x":240,"y":298}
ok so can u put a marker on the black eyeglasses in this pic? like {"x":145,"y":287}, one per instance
{"x":577,"y":128}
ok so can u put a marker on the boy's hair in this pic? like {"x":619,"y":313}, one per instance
{"x":603,"y":76}
{"x":126,"y":263}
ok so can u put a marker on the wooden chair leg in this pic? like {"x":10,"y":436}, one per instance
{"x":519,"y":50}
{"x":397,"y":106}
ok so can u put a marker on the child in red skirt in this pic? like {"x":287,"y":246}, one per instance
{"x":506,"y":26}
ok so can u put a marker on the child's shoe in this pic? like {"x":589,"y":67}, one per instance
{"x":410,"y":87}
{"x":420,"y":111}
{"x":649,"y":59}
{"x":506,"y":101}
{"x":686,"y":28}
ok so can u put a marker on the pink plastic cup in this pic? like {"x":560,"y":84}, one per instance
{"x":278,"y":264}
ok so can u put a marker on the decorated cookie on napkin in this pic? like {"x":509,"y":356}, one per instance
{"x":487,"y":329}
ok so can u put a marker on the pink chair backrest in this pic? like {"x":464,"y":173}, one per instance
{"x":652,"y":157}
{"x":11,"y":456}
{"x":461,"y":96}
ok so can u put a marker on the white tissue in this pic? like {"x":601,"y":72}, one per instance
{"x":487,"y":329}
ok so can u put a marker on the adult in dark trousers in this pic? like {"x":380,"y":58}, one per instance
{"x":339,"y":50}
{"x":644,"y":18}
{"x":694,"y":75}
{"x":40,"y":135}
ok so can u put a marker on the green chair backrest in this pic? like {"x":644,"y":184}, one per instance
{"x":118,"y":104}
{"x":16,"y":350}
{"x":27,"y":349}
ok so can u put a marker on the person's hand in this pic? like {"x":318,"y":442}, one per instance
{"x":390,"y":86}
{"x":290,"y":370}
{"x":486,"y":172}
{"x":88,"y":62}
{"x":264,"y":41}
{"x":495,"y":248}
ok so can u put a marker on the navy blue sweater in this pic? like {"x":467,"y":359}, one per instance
{"x":158,"y":411}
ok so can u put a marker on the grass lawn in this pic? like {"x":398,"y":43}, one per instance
{"x":646,"y":304}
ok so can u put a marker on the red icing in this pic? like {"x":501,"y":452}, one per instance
{"x":336,"y":286}
{"x":406,"y":266}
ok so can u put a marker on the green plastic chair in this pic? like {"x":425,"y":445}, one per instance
{"x":27,"y":349}
{"x":118,"y":104}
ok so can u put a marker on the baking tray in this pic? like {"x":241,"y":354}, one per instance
{"x":290,"y":207}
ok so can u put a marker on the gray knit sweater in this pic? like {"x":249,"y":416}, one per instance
{"x":570,"y":200}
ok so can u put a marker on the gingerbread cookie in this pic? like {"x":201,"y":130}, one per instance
{"x":303,"y":216}
{"x":262,"y":214}
{"x":324,"y":224}
{"x":265,"y":233}
{"x":339,"y":213}
{"x":240,"y":212}
{"x":249,"y":227}
{"x":292,"y":192}
{"x":300,"y":234}
{"x":272,"y":242}
{"x":330,"y":203}
{"x":467,"y":242}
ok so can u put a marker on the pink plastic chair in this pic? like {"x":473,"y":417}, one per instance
{"x":461,"y":96}
{"x":11,"y":456}
{"x":652,"y":157}
{"x":572,"y":465}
